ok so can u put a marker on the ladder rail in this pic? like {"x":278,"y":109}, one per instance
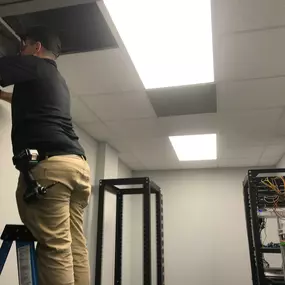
{"x":4,"y":252}
{"x":25,"y":250}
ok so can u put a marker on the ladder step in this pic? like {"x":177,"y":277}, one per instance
{"x":17,"y":232}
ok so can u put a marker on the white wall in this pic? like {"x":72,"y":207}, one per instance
{"x":123,"y":170}
{"x":205,"y":230}
{"x":91,"y":147}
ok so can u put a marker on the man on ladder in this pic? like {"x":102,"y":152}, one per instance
{"x":54,"y":183}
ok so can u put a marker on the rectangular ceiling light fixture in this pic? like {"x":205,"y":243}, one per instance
{"x":169,"y":42}
{"x":195,"y":147}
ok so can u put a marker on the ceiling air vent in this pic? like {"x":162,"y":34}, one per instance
{"x":82,"y":28}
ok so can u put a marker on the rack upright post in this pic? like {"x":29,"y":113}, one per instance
{"x":132,"y":186}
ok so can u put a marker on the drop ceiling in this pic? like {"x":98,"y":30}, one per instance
{"x":110,"y":103}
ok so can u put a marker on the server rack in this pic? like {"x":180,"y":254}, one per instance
{"x":132,"y":186}
{"x":261,"y":203}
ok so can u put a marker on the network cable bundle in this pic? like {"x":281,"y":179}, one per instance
{"x":264,"y":198}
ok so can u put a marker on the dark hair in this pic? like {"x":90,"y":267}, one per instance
{"x":49,"y":39}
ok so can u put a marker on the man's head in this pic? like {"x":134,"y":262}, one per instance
{"x":40,"y":42}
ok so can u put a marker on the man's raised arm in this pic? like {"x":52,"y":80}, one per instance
{"x":17,"y":69}
{"x":5,"y":96}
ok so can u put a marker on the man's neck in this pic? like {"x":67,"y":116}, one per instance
{"x":46,"y":57}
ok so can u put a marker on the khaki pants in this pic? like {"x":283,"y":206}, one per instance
{"x":56,"y":221}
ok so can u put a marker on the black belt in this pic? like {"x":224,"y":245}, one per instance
{"x":44,"y":156}
{"x":25,"y":162}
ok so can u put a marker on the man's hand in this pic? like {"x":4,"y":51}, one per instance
{"x":5,"y":96}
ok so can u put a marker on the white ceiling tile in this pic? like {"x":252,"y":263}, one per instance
{"x":269,"y":161}
{"x":153,"y":151}
{"x":130,"y":160}
{"x":281,"y":125}
{"x":237,"y":162}
{"x":251,"y":55}
{"x":235,"y":139}
{"x":239,"y":15}
{"x":120,"y":144}
{"x":122,"y":107}
{"x":274,"y":150}
{"x":159,"y":165}
{"x":252,"y":123}
{"x":97,"y":130}
{"x":137,"y":128}
{"x":199,"y":164}
{"x":271,"y":155}
{"x":98,"y":72}
{"x":80,"y":112}
{"x":128,"y":157}
{"x":277,"y":140}
{"x":252,"y":94}
{"x":136,"y":166}
{"x":253,"y":153}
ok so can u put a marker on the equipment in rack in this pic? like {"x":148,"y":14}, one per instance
{"x":120,"y":188}
{"x":264,"y":198}
{"x":26,"y":256}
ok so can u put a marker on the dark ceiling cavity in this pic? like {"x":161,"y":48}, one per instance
{"x":9,"y":45}
{"x":6,"y":3}
{"x":82,"y":28}
{"x":184,"y":100}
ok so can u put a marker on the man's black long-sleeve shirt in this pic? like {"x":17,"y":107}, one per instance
{"x":40,"y":106}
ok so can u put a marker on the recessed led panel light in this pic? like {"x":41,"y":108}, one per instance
{"x":195,"y":147}
{"x":169,"y":42}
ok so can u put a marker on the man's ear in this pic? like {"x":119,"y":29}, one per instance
{"x":38,"y":46}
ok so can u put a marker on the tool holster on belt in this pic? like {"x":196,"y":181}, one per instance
{"x":24,"y":162}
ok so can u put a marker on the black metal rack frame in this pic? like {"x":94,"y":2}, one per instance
{"x":253,"y":190}
{"x":135,"y":186}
